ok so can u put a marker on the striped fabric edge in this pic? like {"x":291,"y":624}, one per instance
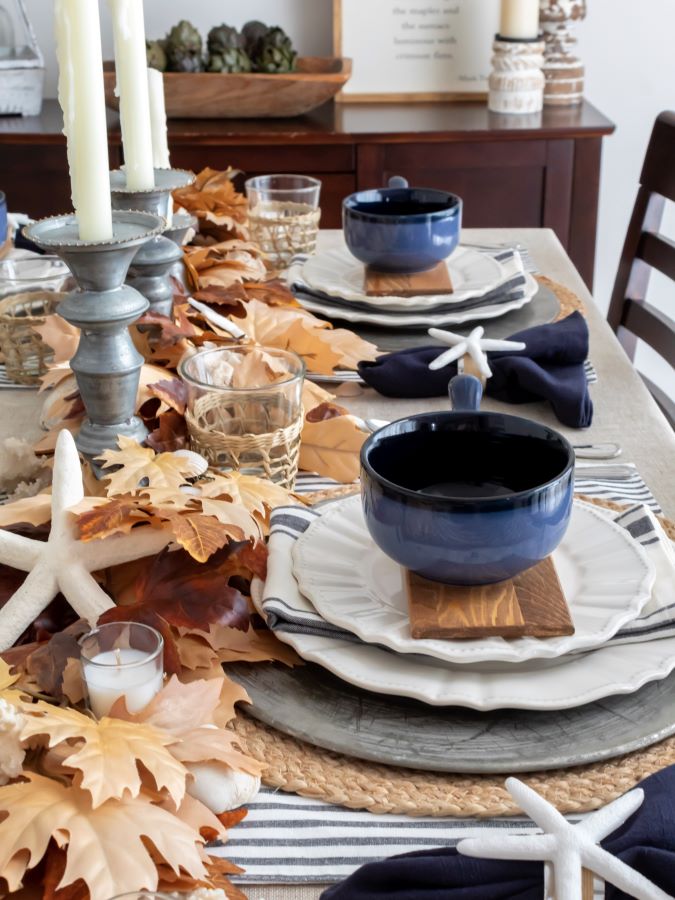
{"x":7,"y":383}
{"x":288,"y":839}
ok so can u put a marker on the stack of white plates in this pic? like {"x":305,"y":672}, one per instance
{"x":331,"y":284}
{"x":361,"y":630}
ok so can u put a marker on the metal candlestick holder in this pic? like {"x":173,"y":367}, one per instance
{"x":150,"y":271}
{"x":106,"y":364}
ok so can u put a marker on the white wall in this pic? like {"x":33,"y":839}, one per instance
{"x":627,"y":48}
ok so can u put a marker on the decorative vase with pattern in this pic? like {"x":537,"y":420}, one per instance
{"x":563,"y":70}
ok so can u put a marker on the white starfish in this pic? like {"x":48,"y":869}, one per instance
{"x":570,"y":848}
{"x":475,"y":345}
{"x":64,"y":563}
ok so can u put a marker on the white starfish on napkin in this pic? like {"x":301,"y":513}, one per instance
{"x":570,"y":848}
{"x":64,"y":563}
{"x":475,"y":345}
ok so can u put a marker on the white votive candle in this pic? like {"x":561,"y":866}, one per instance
{"x":122,"y":659}
{"x":132,"y":87}
{"x":519,"y":19}
{"x":82,"y":99}
{"x":121,"y":673}
{"x":160,"y":142}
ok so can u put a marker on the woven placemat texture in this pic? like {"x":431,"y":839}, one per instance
{"x":301,"y":768}
{"x":569,"y":302}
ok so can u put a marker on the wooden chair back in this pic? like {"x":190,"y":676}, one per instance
{"x":630,"y":316}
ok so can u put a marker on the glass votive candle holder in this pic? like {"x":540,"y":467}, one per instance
{"x":284,"y":215}
{"x":32,"y":273}
{"x":244,"y":409}
{"x":122,"y":659}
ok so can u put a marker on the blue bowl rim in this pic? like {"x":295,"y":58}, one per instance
{"x":452,"y":210}
{"x":425,"y":499}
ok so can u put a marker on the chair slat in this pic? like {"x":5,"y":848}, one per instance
{"x":658,"y":252}
{"x":652,"y":326}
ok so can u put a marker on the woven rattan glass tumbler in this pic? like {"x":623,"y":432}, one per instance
{"x":254,"y":427}
{"x":283,"y":216}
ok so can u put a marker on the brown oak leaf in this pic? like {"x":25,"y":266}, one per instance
{"x":173,"y":392}
{"x":202,"y":535}
{"x":170,"y":434}
{"x":331,"y":447}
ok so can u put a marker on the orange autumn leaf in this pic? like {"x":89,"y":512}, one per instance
{"x":30,"y":510}
{"x":273,"y":293}
{"x":253,"y":645}
{"x":201,"y":535}
{"x":331,"y":448}
{"x":60,"y":335}
{"x":115,"y":516}
{"x":105,"y":846}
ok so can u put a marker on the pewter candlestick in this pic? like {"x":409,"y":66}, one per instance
{"x":106,"y":364}
{"x":150,"y":271}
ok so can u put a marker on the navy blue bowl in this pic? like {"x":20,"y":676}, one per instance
{"x":467,"y":497}
{"x":401,"y":229}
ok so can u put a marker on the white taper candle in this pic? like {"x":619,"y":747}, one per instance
{"x":160,"y":143}
{"x":132,"y":85}
{"x":82,"y":99}
{"x":519,"y":19}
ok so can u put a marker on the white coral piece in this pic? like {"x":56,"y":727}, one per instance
{"x":19,"y":464}
{"x":11,"y":752}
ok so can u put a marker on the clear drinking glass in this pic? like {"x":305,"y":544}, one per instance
{"x":122,"y":659}
{"x":284,"y":215}
{"x":32,"y":273}
{"x":245,"y":409}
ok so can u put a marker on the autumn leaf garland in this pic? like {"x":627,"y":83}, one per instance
{"x":106,"y":805}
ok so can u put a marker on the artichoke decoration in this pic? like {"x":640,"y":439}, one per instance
{"x":276,"y":52}
{"x":156,"y":55}
{"x":184,"y":48}
{"x":226,"y":51}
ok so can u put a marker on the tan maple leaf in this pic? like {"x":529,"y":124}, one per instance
{"x":60,"y":335}
{"x":258,"y":495}
{"x":214,"y":745}
{"x":105,"y":845}
{"x":179,"y":707}
{"x":231,"y":513}
{"x":7,"y":680}
{"x":253,"y":645}
{"x":224,"y":263}
{"x":108,"y":751}
{"x":139,"y":463}
{"x":222,"y":211}
{"x":31,"y":510}
{"x":331,"y":448}
{"x":322,"y":347}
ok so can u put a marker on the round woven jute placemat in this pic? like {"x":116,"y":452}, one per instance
{"x":300,"y":768}
{"x":569,"y":302}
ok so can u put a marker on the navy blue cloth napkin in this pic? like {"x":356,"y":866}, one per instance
{"x":646,"y":843}
{"x":550,"y":368}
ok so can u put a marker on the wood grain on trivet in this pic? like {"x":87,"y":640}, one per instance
{"x":532,"y":605}
{"x":408,"y":284}
{"x":300,"y":768}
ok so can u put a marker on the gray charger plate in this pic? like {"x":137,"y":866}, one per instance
{"x":309,"y":703}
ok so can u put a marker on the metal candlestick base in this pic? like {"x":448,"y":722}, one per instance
{"x":150,"y":271}
{"x":106,"y":364}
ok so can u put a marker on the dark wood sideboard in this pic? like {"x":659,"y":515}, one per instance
{"x":527,"y":171}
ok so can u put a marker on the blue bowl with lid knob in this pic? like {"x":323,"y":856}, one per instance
{"x":467,"y":497}
{"x":401,"y":229}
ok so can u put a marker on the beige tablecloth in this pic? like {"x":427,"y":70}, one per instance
{"x":624,"y":412}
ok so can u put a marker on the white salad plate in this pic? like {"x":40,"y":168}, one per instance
{"x":418,"y":318}
{"x":337,"y":273}
{"x":606,"y":576}
{"x":578,"y":679}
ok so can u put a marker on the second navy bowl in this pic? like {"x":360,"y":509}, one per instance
{"x":401,"y":229}
{"x":467,"y":497}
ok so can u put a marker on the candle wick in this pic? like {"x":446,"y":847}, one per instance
{"x":118,"y":656}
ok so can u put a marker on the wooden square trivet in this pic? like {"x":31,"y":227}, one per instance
{"x":532,"y":605}
{"x":413,"y":284}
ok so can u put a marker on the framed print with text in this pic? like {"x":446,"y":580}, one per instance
{"x":414,"y":49}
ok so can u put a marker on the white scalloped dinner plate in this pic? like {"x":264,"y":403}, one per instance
{"x":579,"y":679}
{"x":339,"y":274}
{"x":606,"y":577}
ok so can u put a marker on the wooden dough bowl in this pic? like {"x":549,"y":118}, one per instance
{"x":215,"y":95}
